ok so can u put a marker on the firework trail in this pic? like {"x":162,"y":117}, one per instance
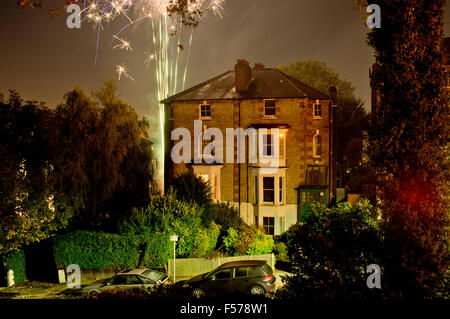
{"x":168,"y":41}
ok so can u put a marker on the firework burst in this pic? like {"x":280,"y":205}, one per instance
{"x":168,"y":41}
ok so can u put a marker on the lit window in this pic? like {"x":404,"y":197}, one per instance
{"x":317,"y":145}
{"x":269,"y":108}
{"x":269,"y":189}
{"x":205,"y":111}
{"x":282,"y":143}
{"x":269,"y":225}
{"x":317,"y":110}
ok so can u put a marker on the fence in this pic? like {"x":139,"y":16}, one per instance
{"x":186,"y":267}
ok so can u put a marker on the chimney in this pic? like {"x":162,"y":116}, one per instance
{"x":259,"y":66}
{"x":242,"y":75}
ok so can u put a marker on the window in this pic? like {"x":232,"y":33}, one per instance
{"x":269,"y":225}
{"x":256,"y":221}
{"x":205,"y":111}
{"x":240,"y":272}
{"x":120,"y":280}
{"x":269,"y":108}
{"x":203,"y":143}
{"x":256,"y":190}
{"x":267,"y":145}
{"x":214,"y":187}
{"x":147,"y":281}
{"x":282,"y":223}
{"x":317,"y":145}
{"x":281,"y":189}
{"x":223,"y":274}
{"x":133,"y":280}
{"x":269,"y":189}
{"x":282,"y":144}
{"x":317,"y":110}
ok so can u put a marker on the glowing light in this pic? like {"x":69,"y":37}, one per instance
{"x":123,"y":44}
{"x":122,"y":70}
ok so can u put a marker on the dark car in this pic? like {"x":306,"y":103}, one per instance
{"x":249,"y":276}
{"x":131,"y":278}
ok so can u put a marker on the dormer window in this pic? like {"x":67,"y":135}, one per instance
{"x":269,"y":108}
{"x":317,"y":111}
{"x":205,"y":111}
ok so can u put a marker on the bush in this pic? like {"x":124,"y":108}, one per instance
{"x":280,"y":248}
{"x":16,"y":262}
{"x":97,"y":250}
{"x":168,"y":215}
{"x":189,"y":187}
{"x":248,"y":240}
{"x":330,"y":251}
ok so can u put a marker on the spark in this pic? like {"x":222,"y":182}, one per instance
{"x":124,"y":44}
{"x":122,"y":70}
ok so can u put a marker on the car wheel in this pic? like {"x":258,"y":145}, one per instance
{"x":93,"y":293}
{"x":257,"y":290}
{"x":198,"y":293}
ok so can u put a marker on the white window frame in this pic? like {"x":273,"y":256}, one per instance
{"x":273,"y":225}
{"x":259,"y":187}
{"x":201,"y":141}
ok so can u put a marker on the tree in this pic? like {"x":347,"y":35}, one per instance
{"x":32,"y":209}
{"x":330,"y":252}
{"x":104,"y":158}
{"x":351,"y":121}
{"x":189,"y":187}
{"x":408,"y":148}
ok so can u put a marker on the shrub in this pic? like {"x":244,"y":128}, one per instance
{"x":248,"y":240}
{"x":280,"y":248}
{"x":16,"y":262}
{"x":97,"y":250}
{"x":330,"y":251}
{"x":189,"y":187}
{"x":223,"y":214}
{"x":168,"y":215}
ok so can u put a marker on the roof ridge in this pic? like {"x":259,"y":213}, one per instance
{"x":167,"y":99}
{"x":292,"y":84}
{"x":291,"y":78}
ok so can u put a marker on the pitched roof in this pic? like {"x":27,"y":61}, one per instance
{"x":266,"y":83}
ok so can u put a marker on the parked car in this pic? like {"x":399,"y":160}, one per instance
{"x":131,"y":278}
{"x":249,"y":276}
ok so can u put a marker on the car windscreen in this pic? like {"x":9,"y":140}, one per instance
{"x":154,"y":275}
{"x":267,"y":269}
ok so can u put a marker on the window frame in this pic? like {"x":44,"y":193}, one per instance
{"x":319,"y":115}
{"x":200,"y":111}
{"x":316,"y":137}
{"x":266,"y":189}
{"x":274,"y":115}
{"x":268,"y":226}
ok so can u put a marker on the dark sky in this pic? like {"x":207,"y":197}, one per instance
{"x":42,"y":59}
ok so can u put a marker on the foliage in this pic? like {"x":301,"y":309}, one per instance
{"x":166,"y":214}
{"x":32,"y":208}
{"x":280,"y":248}
{"x":248,"y":240}
{"x":320,"y":76}
{"x":97,"y":250}
{"x":408,"y":147}
{"x":16,"y":262}
{"x":206,"y":241}
{"x":330,"y":251}
{"x":104,"y":158}
{"x":189,"y":187}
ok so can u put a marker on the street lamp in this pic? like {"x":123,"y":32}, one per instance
{"x":174,"y":239}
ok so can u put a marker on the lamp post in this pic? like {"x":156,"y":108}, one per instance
{"x":174,"y":239}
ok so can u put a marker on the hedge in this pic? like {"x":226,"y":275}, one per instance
{"x":16,"y":262}
{"x":98,"y":250}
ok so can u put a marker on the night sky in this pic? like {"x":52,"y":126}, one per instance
{"x":43,"y":59}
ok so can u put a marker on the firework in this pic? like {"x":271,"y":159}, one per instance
{"x":168,"y":40}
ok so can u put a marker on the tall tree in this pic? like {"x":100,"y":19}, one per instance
{"x":31,"y":209}
{"x":408,"y":148}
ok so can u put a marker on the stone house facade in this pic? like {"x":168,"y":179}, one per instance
{"x":267,"y":101}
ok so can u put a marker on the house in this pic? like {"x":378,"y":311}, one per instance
{"x":293,"y":122}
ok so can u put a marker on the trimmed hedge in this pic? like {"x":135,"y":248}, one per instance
{"x":16,"y":262}
{"x":98,"y":250}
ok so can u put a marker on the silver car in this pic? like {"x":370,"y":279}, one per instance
{"x":132,"y":278}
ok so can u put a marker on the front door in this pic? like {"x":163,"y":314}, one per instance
{"x":308,"y":196}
